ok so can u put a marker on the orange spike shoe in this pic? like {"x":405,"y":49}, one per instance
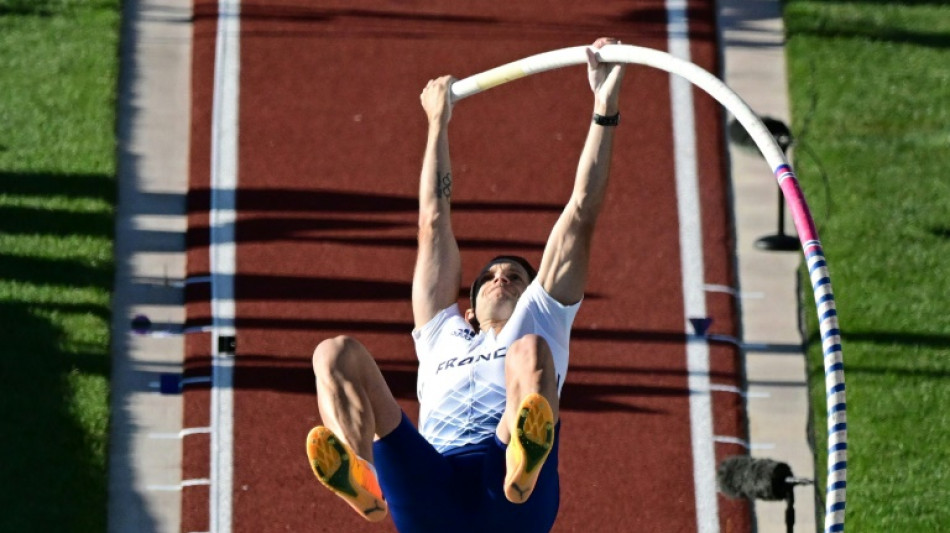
{"x":530,"y":445}
{"x":348,"y":475}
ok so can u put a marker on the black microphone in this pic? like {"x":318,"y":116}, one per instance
{"x":742,"y":476}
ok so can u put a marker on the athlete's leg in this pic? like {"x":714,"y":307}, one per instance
{"x":353,"y":398}
{"x":527,"y":424}
{"x":539,"y":512}
{"x":529,"y":368}
{"x":419,"y":483}
{"x":355,"y":404}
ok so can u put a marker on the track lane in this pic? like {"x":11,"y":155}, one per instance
{"x":331,"y":139}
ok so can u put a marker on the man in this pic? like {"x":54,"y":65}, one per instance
{"x":485,"y":455}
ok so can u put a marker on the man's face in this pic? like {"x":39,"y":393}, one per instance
{"x":502,"y":285}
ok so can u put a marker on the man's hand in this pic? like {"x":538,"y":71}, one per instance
{"x":604,"y":78}
{"x":436,"y":100}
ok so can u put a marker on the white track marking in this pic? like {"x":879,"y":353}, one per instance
{"x":691,"y":252}
{"x":222,"y":250}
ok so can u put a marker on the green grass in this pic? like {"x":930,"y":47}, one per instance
{"x":57,"y":163}
{"x":869,"y":87}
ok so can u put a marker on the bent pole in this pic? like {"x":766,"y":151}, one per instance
{"x":804,"y":224}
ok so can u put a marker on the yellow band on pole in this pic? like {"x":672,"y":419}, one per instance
{"x":499,"y":75}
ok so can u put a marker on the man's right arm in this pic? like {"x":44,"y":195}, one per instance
{"x":438,"y":272}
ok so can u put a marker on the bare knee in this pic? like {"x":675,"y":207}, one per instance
{"x":335,"y":355}
{"x":529,"y":354}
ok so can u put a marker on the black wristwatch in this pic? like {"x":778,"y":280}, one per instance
{"x":609,"y":120}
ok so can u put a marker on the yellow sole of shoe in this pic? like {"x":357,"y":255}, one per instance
{"x":529,"y":447}
{"x":332,"y":463}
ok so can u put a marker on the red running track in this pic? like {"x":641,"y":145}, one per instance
{"x":330,"y":144}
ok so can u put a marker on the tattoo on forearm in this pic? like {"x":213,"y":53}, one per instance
{"x":443,"y":186}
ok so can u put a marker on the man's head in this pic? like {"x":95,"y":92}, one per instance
{"x":497,"y":288}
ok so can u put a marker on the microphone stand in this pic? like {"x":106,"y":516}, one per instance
{"x":790,"y":483}
{"x":790,"y":509}
{"x":780,"y":241}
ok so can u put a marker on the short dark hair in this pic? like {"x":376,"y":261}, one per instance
{"x":477,"y":284}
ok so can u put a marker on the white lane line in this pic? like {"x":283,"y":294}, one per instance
{"x":178,"y":487}
{"x":718,"y":387}
{"x":714,"y":287}
{"x":181,"y":434}
{"x":691,"y":252}
{"x":224,"y":165}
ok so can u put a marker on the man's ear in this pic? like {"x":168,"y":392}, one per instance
{"x":472,"y":321}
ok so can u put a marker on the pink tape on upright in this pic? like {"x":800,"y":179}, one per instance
{"x":796,"y":202}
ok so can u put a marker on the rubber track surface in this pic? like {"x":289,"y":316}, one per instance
{"x":331,"y":140}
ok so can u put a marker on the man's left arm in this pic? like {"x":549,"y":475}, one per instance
{"x":438,"y":272}
{"x":564,"y":265}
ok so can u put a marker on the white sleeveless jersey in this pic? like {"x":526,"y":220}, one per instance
{"x":461,"y":384}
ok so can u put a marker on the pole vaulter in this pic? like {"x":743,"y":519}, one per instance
{"x":836,"y":483}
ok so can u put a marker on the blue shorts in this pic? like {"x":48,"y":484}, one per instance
{"x":461,"y":491}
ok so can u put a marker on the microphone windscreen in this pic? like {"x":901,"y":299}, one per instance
{"x":742,"y":476}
